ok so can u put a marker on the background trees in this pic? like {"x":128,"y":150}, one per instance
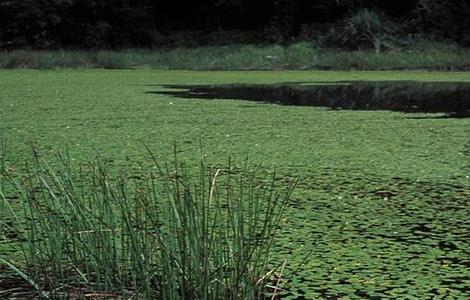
{"x":145,"y":23}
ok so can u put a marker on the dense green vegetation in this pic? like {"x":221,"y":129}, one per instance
{"x":116,"y":24}
{"x":236,"y":34}
{"x":422,"y":55}
{"x":382,"y":199}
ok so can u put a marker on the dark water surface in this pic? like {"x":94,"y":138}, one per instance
{"x":449,"y":98}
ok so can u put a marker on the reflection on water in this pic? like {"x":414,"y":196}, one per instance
{"x":453,"y":99}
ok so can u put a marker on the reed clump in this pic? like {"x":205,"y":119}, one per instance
{"x":172,"y":233}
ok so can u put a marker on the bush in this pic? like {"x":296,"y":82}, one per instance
{"x":365,"y":29}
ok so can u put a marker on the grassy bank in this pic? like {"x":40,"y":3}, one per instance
{"x":382,"y":199}
{"x":301,"y":56}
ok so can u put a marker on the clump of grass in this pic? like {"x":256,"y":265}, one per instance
{"x":168,"y":234}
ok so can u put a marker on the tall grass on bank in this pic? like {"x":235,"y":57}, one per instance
{"x":300,"y":56}
{"x":169,"y":234}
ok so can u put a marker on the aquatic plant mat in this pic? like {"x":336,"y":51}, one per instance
{"x":382,"y":204}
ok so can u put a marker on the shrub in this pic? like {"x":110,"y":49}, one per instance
{"x":365,"y":29}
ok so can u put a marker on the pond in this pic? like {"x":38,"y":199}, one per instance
{"x":384,"y":236}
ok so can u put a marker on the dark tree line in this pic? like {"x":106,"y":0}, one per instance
{"x":147,"y":23}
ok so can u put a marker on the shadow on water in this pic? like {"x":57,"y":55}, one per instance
{"x":452,"y":99}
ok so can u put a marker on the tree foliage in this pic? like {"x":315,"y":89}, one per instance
{"x":137,"y":23}
{"x":444,"y":18}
